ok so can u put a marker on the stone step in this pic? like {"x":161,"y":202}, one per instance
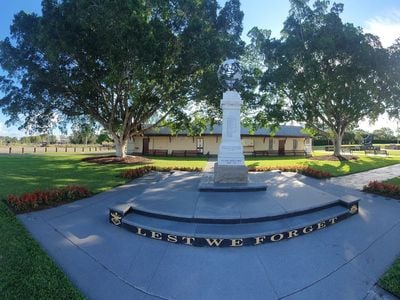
{"x":234,"y":235}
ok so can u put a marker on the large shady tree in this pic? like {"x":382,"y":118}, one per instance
{"x":331,"y":73}
{"x":126,"y":64}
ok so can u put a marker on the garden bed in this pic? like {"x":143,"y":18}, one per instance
{"x":129,"y":160}
{"x":383,"y":188}
{"x":335,"y":158}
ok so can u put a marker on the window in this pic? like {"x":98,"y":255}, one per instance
{"x":270,"y":144}
{"x":200,"y":145}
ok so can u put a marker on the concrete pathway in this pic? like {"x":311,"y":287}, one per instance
{"x":358,"y":180}
{"x":343,"y":261}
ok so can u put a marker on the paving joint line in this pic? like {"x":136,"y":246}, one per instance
{"x":102,"y":265}
{"x":346,"y":263}
{"x":266,"y":275}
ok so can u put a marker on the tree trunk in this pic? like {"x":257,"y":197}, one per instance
{"x":120,"y":147}
{"x":338,"y":143}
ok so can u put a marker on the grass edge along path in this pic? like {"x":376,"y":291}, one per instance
{"x":390,"y":281}
{"x":27,"y":272}
{"x":335,"y":168}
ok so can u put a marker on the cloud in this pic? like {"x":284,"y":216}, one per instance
{"x":386,"y":27}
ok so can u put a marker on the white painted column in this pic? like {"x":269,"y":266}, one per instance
{"x":231,"y":149}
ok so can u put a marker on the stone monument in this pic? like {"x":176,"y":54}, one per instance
{"x":230,"y":167}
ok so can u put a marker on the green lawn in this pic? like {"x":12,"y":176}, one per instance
{"x":26,"y":271}
{"x":336,"y":168}
{"x":24,"y":173}
{"x":390,"y":281}
{"x":395,"y":180}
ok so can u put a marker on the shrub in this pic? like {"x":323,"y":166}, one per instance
{"x":299,"y":169}
{"x":382,"y":188}
{"x":39,"y":199}
{"x":139,"y":172}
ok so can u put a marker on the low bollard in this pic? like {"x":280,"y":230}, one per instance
{"x":9,"y":150}
{"x":22,"y":150}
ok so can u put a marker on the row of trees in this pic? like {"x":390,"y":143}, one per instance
{"x":356,"y":136}
{"x":128,"y":64}
{"x":79,"y":138}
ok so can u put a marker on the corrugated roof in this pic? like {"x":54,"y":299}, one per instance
{"x":284,"y":130}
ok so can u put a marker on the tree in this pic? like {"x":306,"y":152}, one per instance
{"x":393,"y":106}
{"x":360,"y":134}
{"x":126,"y":64}
{"x":83,"y":132}
{"x":331,"y":73}
{"x":383,"y":133}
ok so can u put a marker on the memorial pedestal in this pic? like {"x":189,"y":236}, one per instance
{"x":230,"y":167}
{"x":230,"y":174}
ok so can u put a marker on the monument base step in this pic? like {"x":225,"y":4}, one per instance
{"x":191,"y":233}
{"x":232,"y":187}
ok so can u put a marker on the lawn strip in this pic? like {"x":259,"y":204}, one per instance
{"x":26,"y":271}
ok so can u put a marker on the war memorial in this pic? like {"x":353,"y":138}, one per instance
{"x":229,"y":207}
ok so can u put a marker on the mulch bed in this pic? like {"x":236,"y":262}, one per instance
{"x":334,"y":158}
{"x":128,"y":160}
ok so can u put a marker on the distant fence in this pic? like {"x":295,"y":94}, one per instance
{"x":53,"y":149}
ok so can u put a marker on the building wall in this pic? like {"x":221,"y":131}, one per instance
{"x":211,"y":143}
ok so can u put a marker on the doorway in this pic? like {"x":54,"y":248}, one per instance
{"x":281,"y":149}
{"x":146,"y":146}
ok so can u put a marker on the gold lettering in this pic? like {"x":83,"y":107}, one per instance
{"x":189,"y":240}
{"x":292,"y":233}
{"x":307,"y":229}
{"x":139,"y":232}
{"x":172,"y":238}
{"x":215,"y":242}
{"x":333,"y":220}
{"x":260,"y":239}
{"x":280,"y":235}
{"x":156,"y":235}
{"x":237,"y":243}
{"x":321,"y":225}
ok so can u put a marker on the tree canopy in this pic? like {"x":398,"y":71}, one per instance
{"x":331,"y":73}
{"x":126,"y":64}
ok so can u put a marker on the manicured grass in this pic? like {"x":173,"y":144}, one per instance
{"x":395,"y":180}
{"x":25,"y":173}
{"x":26,"y":272}
{"x":336,"y":168}
{"x":390,"y":281}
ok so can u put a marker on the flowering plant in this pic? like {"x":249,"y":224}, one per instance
{"x":38,"y":199}
{"x":382,"y":188}
{"x":139,"y":172}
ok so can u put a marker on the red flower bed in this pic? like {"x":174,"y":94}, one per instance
{"x":382,"y":188}
{"x":139,"y":172}
{"x":39,"y":199}
{"x":299,"y":169}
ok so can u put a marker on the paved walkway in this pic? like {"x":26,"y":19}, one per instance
{"x":343,"y":261}
{"x":358,"y":180}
